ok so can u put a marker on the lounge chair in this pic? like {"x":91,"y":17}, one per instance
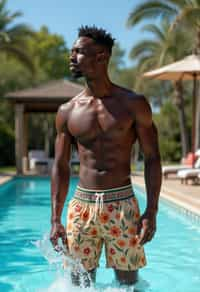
{"x":190,"y":174}
{"x":187,"y":164}
{"x":74,"y":163}
{"x":39,"y":162}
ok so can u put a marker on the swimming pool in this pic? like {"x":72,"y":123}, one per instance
{"x":173,"y":256}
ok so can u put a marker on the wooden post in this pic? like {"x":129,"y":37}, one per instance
{"x":194,"y":112}
{"x":19,"y":136}
{"x":25,"y":146}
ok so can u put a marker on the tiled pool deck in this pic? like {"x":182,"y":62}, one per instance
{"x":187,"y":197}
{"x":4,"y":178}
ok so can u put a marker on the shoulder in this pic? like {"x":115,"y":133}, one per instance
{"x":137,"y":106}
{"x":65,"y":109}
{"x":63,"y":113}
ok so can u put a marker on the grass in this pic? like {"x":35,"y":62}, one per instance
{"x":10,"y":168}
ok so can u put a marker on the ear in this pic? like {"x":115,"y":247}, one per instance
{"x":101,"y":57}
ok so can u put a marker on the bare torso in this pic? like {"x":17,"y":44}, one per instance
{"x":104,"y":131}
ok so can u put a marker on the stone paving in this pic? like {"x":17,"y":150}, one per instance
{"x":186,"y":196}
{"x":4,"y":178}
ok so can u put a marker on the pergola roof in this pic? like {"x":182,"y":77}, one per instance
{"x":46,"y":97}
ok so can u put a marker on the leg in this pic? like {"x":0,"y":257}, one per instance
{"x":84,"y":242}
{"x":83,"y":279}
{"x":123,"y":252}
{"x":126,"y":277}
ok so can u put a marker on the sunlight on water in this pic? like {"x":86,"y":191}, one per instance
{"x":62,"y":282}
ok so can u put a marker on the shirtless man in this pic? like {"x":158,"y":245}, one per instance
{"x":105,"y":121}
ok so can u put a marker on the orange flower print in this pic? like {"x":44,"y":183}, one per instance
{"x":123,"y":260}
{"x":143,"y":260}
{"x":99,"y":245}
{"x":132,"y":230}
{"x":71,"y":216}
{"x":86,"y":251}
{"x":137,"y":215}
{"x":85,"y":215}
{"x":115,"y":231}
{"x":121,"y":243}
{"x":76,"y":248}
{"x":133,"y":242}
{"x":112,"y":251}
{"x":110,"y":259}
{"x":104,"y":217}
{"x":110,"y":208}
{"x":93,"y":232}
{"x":69,"y":226}
{"x":78,"y":208}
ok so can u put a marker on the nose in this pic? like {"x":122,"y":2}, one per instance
{"x":72,"y":56}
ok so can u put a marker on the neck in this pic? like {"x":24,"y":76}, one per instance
{"x":98,"y":87}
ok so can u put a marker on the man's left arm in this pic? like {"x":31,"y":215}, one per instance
{"x":148,"y":139}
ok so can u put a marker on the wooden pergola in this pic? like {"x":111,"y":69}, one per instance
{"x":45,"y":98}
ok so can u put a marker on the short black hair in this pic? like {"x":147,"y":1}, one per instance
{"x":99,"y":35}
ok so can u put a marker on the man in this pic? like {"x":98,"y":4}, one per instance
{"x":105,"y":121}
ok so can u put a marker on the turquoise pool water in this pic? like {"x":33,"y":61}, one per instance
{"x":173,"y":256}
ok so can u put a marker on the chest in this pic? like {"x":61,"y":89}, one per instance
{"x":91,"y":118}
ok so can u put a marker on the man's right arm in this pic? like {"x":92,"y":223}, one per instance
{"x":60,"y":177}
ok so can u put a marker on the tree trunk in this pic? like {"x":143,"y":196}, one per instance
{"x":197,"y":134}
{"x":179,"y":102}
{"x":46,"y":137}
{"x":197,"y":121}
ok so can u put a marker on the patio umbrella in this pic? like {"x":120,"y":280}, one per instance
{"x":185,"y":69}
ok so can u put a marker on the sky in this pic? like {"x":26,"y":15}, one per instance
{"x":64,"y":17}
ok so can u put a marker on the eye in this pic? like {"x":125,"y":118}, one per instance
{"x":80,"y":51}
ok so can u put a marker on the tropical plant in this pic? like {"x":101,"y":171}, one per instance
{"x":162,"y":49}
{"x":167,"y":124}
{"x":13,"y":37}
{"x":185,"y":12}
{"x":50,"y":53}
{"x":180,"y":13}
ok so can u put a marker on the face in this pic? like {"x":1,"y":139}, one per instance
{"x":84,"y":58}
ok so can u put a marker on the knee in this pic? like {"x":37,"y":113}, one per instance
{"x":126,"y":277}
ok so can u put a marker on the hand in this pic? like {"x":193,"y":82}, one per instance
{"x":58,"y":231}
{"x":146,"y":227}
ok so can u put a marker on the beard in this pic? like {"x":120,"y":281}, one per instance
{"x":77,"y":74}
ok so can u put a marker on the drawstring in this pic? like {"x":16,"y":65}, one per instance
{"x":98,"y":203}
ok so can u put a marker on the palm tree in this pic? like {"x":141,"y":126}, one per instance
{"x":13,"y":38}
{"x":179,"y":12}
{"x":160,"y":50}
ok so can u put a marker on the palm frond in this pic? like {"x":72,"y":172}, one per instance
{"x":20,"y":30}
{"x":2,"y":5}
{"x":4,"y":37}
{"x":189,"y":15}
{"x":154,"y":29}
{"x":179,"y":3}
{"x":142,"y":48}
{"x":19,"y":55}
{"x":149,"y":10}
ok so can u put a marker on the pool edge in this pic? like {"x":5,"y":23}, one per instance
{"x":172,"y":198}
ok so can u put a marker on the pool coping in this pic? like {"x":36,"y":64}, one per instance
{"x":5,"y":179}
{"x":176,"y":199}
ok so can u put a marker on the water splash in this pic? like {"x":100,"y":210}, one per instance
{"x":63,"y":265}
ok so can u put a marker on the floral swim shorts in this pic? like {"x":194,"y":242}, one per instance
{"x":105,"y":217}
